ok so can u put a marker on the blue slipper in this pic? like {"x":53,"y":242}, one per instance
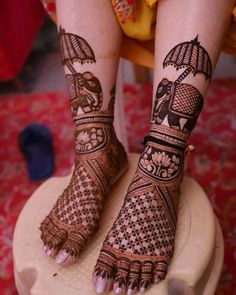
{"x":36,"y":144}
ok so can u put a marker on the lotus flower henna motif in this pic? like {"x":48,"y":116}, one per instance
{"x":161,"y":159}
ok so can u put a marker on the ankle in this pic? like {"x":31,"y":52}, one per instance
{"x":169,"y":136}
{"x":106,"y":117}
{"x":163,"y":157}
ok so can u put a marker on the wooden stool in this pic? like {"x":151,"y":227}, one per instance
{"x":195,"y":268}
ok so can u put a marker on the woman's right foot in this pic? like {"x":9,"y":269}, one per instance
{"x":101,"y":160}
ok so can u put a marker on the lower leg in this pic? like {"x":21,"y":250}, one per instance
{"x":139,"y":247}
{"x":90,"y":53}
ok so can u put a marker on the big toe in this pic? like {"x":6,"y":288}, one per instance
{"x":103,"y":276}
{"x":52,"y":236}
{"x":71,"y":249}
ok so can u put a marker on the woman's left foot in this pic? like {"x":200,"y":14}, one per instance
{"x":140,"y":244}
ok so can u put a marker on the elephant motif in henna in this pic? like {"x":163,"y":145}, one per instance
{"x":176,"y":101}
{"x":85,"y":92}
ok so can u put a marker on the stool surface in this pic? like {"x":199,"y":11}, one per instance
{"x":35,"y":273}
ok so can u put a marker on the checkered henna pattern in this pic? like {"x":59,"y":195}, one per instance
{"x":100,"y":160}
{"x":138,"y":249}
{"x":140,"y":244}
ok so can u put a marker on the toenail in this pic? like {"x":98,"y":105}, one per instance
{"x":157,"y":281}
{"x":130,"y":292}
{"x":118,"y":291}
{"x":142,"y":290}
{"x":49,"y":252}
{"x":62,"y":257}
{"x":101,"y":285}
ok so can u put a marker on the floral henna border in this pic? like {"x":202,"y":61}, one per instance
{"x":162,"y":163}
{"x":91,"y":139}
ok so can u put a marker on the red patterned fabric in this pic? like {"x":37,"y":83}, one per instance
{"x":19,"y":24}
{"x":212,"y":164}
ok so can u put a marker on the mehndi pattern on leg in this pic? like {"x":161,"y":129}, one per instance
{"x":138,"y":249}
{"x":100,"y":157}
{"x":100,"y":161}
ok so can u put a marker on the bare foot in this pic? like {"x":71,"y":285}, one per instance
{"x":140,"y":244}
{"x":101,"y":159}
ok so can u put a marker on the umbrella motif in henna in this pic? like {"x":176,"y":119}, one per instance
{"x":84,"y":88}
{"x":192,"y":56}
{"x":74,"y":48}
{"x":180,"y":103}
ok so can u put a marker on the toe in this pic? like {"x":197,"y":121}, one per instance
{"x":52,"y":236}
{"x":121,"y":279}
{"x":50,"y":251}
{"x":71,"y":249}
{"x":146,"y":276}
{"x":160,"y":271}
{"x":103,"y":276}
{"x":64,"y":258}
{"x":133,"y":282}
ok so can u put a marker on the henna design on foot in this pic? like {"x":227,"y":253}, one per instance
{"x":139,"y":247}
{"x":100,"y":161}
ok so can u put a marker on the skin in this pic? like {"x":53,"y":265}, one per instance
{"x":208,"y":19}
{"x":105,"y":45}
{"x":193,"y":19}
